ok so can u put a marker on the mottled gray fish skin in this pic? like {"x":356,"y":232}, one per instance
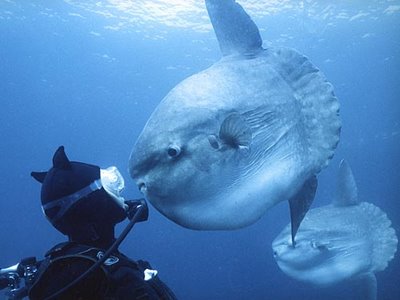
{"x":228,"y":143}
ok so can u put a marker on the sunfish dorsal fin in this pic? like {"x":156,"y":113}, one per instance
{"x":235,"y":30}
{"x":346,"y":193}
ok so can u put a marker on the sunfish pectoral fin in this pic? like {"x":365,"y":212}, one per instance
{"x":368,"y":287}
{"x":235,"y":30}
{"x":300,"y":203}
{"x":235,"y":132}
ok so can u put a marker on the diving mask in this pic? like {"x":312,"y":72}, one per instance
{"x":113,"y":183}
{"x":110,"y":179}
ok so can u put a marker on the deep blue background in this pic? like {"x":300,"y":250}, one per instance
{"x":60,"y":84}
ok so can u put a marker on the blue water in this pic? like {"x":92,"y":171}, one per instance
{"x":88,"y":77}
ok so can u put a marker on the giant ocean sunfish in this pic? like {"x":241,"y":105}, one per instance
{"x":229,"y":142}
{"x":346,"y":240}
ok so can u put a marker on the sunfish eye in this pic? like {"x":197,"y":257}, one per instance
{"x":318,"y":246}
{"x":174,"y":151}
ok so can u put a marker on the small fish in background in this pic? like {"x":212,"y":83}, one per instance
{"x":345,"y":240}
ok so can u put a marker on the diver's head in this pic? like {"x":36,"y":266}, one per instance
{"x":81,"y":199}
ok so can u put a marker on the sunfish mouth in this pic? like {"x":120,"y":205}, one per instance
{"x":150,"y":191}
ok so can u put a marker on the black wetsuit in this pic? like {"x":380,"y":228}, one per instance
{"x":118,"y":278}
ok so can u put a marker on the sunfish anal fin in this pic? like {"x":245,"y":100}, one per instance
{"x":235,"y":30}
{"x":235,"y":132}
{"x":368,"y":287}
{"x":300,"y":203}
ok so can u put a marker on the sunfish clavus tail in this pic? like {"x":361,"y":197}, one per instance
{"x":229,"y":142}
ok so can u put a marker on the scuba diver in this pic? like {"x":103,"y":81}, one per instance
{"x":83,"y":202}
